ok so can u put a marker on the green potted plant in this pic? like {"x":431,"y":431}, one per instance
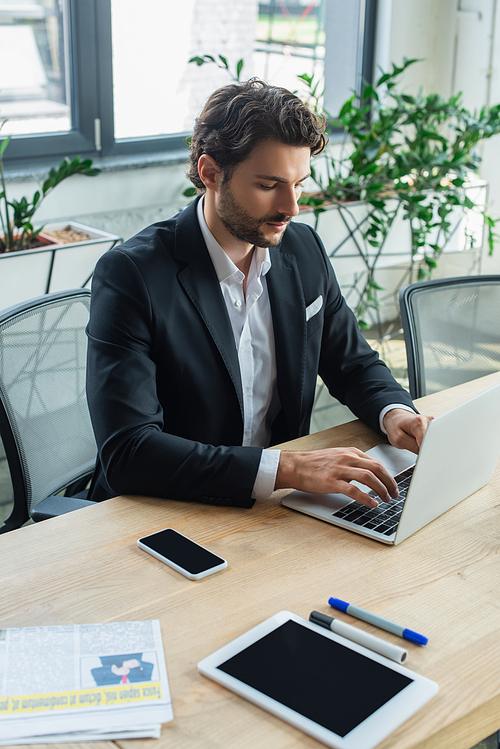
{"x":409,"y":158}
{"x":37,"y":260}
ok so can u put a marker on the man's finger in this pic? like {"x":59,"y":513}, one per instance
{"x":380,"y":472}
{"x":353,"y":492}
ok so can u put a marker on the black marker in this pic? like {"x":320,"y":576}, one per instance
{"x":394,"y":652}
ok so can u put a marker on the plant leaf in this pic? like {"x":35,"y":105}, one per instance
{"x":4,"y":144}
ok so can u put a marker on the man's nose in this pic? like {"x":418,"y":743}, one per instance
{"x":287,"y":202}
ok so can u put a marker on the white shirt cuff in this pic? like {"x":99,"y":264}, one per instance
{"x":386,"y":409}
{"x":266,"y":475}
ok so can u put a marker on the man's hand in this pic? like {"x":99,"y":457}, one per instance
{"x":406,"y":429}
{"x":331,"y":471}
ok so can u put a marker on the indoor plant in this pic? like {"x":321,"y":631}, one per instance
{"x":32,"y":264}
{"x":16,"y":216}
{"x":408,"y":156}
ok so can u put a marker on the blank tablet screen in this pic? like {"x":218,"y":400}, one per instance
{"x":322,"y":680}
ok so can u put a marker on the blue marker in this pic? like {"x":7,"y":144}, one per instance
{"x":377,"y":621}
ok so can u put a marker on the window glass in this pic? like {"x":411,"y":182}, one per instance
{"x":157,"y":92}
{"x":113,"y":76}
{"x":34,"y":96}
{"x":150,"y":52}
{"x":290,"y":41}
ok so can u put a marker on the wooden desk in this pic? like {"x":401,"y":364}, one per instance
{"x":443,"y":582}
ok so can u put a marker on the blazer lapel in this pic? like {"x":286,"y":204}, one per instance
{"x":289,"y":321}
{"x":200,"y":283}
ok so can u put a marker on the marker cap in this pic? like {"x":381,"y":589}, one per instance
{"x":322,"y":619}
{"x":338,"y":604}
{"x":408,"y":634}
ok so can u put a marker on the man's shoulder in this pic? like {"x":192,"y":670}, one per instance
{"x":163,"y":239}
{"x":155,"y":236}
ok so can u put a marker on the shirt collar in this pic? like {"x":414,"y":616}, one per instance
{"x":224,"y":266}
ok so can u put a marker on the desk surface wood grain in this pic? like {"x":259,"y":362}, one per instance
{"x":444,"y":582}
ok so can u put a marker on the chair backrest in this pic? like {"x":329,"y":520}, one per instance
{"x":44,"y":420}
{"x":452,"y":331}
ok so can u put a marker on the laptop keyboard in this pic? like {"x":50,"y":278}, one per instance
{"x":384,"y":518}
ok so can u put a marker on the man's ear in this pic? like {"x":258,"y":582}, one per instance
{"x":210,"y":172}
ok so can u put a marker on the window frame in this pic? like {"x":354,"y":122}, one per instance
{"x":91,"y":91}
{"x":83,"y":94}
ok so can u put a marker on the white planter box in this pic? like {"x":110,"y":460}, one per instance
{"x":27,"y":274}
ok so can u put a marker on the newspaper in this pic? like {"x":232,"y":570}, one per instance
{"x":84,"y":682}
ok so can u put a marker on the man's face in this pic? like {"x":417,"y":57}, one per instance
{"x":258,"y":202}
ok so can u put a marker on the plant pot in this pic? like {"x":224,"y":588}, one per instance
{"x":25,"y":274}
{"x":42,"y":241}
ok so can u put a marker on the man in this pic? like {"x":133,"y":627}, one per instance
{"x":207,"y":331}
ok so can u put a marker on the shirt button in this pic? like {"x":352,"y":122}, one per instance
{"x":237,"y":303}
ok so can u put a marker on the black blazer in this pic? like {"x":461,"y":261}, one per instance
{"x":163,"y":380}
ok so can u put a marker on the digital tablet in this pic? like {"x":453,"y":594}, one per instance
{"x":331,"y":688}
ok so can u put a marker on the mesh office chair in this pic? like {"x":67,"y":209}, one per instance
{"x":452,"y":331}
{"x":44,"y":420}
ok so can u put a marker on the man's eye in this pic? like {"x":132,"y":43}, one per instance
{"x":267,"y":187}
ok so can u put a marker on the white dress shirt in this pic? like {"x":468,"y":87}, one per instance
{"x":252,"y":325}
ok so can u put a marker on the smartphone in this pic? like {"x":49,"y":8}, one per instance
{"x":182,"y":554}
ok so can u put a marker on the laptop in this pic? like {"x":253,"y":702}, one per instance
{"x":457,"y":457}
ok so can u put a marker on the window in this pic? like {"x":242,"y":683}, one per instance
{"x":34,"y":68}
{"x":111,"y":77}
{"x":51,"y":103}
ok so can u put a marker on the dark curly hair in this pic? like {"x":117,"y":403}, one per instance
{"x":237,"y":117}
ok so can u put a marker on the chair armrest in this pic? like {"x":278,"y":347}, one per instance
{"x":54,"y":506}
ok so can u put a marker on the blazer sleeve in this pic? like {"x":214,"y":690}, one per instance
{"x":135,"y":455}
{"x":352,"y":371}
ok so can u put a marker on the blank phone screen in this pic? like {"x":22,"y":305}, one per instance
{"x":182,"y":551}
{"x":319,"y":678}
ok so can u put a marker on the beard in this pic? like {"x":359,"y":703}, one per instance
{"x":243,"y":225}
